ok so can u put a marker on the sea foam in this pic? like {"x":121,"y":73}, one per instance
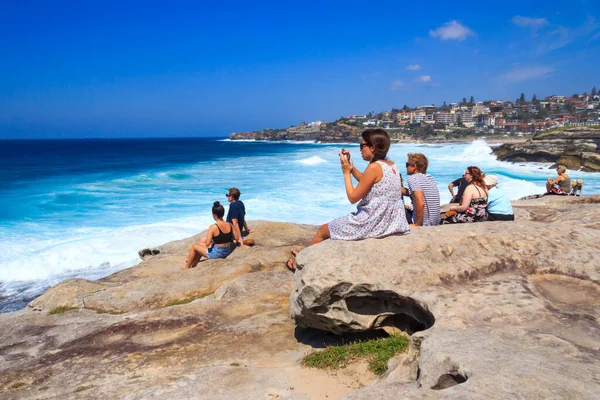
{"x":314,"y":160}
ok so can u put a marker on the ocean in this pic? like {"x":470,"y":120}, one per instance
{"x":83,"y":208}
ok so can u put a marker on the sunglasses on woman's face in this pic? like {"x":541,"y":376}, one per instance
{"x":227,"y":195}
{"x":363,"y":145}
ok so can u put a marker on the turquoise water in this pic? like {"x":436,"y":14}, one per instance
{"x":83,"y":208}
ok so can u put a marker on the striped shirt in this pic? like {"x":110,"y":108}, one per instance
{"x":431,"y":195}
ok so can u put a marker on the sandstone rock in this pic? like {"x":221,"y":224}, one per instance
{"x":570,"y":162}
{"x":513,"y":312}
{"x":159,"y":280}
{"x":234,"y":341}
{"x":498,"y":310}
{"x":573,"y":147}
{"x":66,"y":294}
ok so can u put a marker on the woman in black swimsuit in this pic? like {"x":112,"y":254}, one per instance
{"x":219,"y":241}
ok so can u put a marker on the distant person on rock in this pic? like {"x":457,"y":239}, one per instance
{"x":499,"y":207}
{"x":380,"y":211}
{"x":218,"y":243}
{"x":423,"y":191}
{"x":460,"y":183}
{"x":473,"y":206}
{"x":237,"y":215}
{"x":561,"y":184}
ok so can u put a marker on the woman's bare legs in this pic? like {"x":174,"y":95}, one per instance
{"x":322,"y":234}
{"x":202,"y":241}
{"x":196,"y":253}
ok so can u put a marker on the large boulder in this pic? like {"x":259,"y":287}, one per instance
{"x":499,"y":309}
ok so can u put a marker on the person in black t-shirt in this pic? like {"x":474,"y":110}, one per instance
{"x":237,"y":215}
{"x":461,"y":183}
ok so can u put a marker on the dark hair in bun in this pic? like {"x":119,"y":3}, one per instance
{"x":218,"y":210}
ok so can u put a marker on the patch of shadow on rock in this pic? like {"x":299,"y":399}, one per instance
{"x":321,"y":339}
{"x":449,"y":379}
{"x":391,"y":309}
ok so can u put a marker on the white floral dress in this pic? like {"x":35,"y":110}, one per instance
{"x":379,"y":213}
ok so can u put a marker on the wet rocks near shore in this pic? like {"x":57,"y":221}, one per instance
{"x":494,"y":310}
{"x":575,"y":147}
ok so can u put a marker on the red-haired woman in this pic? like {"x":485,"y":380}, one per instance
{"x":473,"y":206}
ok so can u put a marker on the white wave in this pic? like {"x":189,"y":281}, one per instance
{"x":314,"y":160}
{"x":89,"y":250}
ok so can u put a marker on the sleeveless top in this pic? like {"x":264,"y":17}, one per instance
{"x":378,"y":214}
{"x":565,"y":184}
{"x":477,"y":211}
{"x":223,"y":238}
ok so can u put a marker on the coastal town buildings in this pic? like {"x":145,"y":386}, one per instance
{"x":519,"y":118}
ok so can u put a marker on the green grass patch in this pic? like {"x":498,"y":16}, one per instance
{"x":83,"y":388}
{"x":61,"y":310}
{"x":17,"y":385}
{"x":186,"y":300}
{"x":377,"y":352}
{"x":134,"y":376}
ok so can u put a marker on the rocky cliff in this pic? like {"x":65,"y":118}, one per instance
{"x":494,"y":310}
{"x":575,"y":147}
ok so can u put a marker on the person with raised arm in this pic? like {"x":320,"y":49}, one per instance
{"x":380,"y":211}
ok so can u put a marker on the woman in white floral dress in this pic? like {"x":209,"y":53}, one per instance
{"x":380,"y":211}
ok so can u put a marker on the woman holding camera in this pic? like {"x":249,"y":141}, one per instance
{"x":219,"y":242}
{"x":380,"y":211}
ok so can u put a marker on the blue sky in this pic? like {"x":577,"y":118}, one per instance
{"x":131,"y":68}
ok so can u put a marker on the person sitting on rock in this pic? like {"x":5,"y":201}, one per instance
{"x":561,"y":184}
{"x":218,"y":243}
{"x":461,"y":183}
{"x":499,"y":207}
{"x":380,"y":211}
{"x":423,"y":191}
{"x":236,"y":215}
{"x":473,"y":207}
